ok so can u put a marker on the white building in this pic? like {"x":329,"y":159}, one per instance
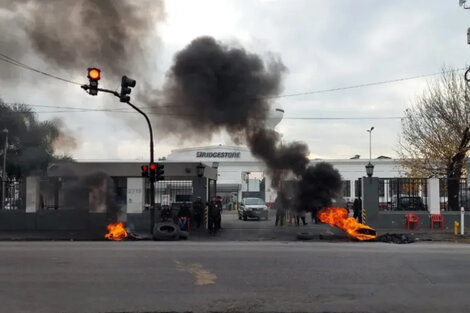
{"x":237,"y":166}
{"x":234,"y":162}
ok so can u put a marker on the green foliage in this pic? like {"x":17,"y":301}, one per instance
{"x":30,"y":140}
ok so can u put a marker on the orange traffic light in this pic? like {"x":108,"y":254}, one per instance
{"x":94,"y":73}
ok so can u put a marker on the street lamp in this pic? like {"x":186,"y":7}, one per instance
{"x":4,"y":170}
{"x":200,"y":170}
{"x":369,"y":169}
{"x":370,"y":166}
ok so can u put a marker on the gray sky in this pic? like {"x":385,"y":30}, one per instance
{"x":324,"y":44}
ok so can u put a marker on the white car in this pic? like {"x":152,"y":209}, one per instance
{"x":253,"y":208}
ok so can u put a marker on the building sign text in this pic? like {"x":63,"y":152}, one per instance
{"x":222,"y":155}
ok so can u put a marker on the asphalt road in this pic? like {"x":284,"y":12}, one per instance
{"x":233,"y":277}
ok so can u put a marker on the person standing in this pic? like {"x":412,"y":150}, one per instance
{"x":280,"y":212}
{"x":218,"y":203}
{"x":300,"y":216}
{"x":198,"y":208}
{"x":356,"y":208}
{"x":213,"y":213}
{"x":184,"y":215}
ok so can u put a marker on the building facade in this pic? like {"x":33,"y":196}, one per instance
{"x":236,"y":166}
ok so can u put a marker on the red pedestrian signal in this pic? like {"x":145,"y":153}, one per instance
{"x":145,"y":170}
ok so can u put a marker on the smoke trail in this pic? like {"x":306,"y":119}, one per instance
{"x":74,"y":35}
{"x":212,"y":86}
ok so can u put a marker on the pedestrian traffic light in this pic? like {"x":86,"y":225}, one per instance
{"x":94,"y":76}
{"x":145,"y":170}
{"x":160,"y":172}
{"x":126,"y":84}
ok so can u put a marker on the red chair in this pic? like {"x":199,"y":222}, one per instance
{"x":410,"y":220}
{"x":437,"y":218}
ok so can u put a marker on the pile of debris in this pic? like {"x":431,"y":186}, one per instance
{"x":396,"y":238}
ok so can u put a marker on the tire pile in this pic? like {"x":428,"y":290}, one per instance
{"x":168,"y":232}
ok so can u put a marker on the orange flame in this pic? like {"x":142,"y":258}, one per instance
{"x":339,"y":217}
{"x":116,"y":231}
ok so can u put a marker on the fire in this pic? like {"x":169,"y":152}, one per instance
{"x":339,"y":217}
{"x":116,"y":231}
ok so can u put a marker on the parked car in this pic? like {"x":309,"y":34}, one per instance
{"x":253,"y":208}
{"x":408,"y":203}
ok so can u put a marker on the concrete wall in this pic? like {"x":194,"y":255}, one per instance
{"x":396,"y":219}
{"x":69,"y":220}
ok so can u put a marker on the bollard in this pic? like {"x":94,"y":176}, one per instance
{"x":462,"y":220}
{"x":456,"y":228}
{"x":206,"y":217}
{"x":364,"y":216}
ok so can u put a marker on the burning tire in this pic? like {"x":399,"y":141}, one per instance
{"x":184,"y":234}
{"x":305,"y":236}
{"x":166,"y":231}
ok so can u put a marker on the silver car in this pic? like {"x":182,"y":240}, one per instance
{"x":253,"y":208}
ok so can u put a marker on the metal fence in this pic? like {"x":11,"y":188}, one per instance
{"x":403,"y":194}
{"x":463,"y":194}
{"x":172,"y":192}
{"x":14,"y":197}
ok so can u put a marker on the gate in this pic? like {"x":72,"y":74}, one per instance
{"x":403,"y":194}
{"x":14,"y":197}
{"x":463,"y":194}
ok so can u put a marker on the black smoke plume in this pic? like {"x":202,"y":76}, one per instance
{"x":94,"y":193}
{"x":74,"y":35}
{"x":212,"y":87}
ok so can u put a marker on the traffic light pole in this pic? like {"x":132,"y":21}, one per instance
{"x":152,"y":182}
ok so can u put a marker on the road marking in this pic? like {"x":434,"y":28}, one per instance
{"x":202,"y":275}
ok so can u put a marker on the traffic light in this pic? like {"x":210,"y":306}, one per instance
{"x":160,"y":172}
{"x":153,"y":171}
{"x":156,"y":172}
{"x":126,"y":84}
{"x":94,"y":76}
{"x":145,"y":170}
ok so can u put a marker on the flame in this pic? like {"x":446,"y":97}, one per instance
{"x":339,"y":217}
{"x":116,"y":231}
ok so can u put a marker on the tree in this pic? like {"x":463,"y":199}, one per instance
{"x":31,"y":141}
{"x":435,"y":135}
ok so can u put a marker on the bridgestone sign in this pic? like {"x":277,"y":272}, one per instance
{"x":222,"y":155}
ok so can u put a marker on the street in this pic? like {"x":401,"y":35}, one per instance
{"x":233,"y":276}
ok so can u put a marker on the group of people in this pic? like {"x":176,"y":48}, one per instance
{"x":183,"y":218}
{"x":284,"y":215}
{"x":291,"y":216}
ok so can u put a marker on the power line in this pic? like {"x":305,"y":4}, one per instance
{"x":364,"y":84}
{"x":268,"y":118}
{"x":128,"y":111}
{"x":14,"y":62}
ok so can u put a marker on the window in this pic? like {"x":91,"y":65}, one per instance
{"x":346,"y":188}
{"x":254,"y":201}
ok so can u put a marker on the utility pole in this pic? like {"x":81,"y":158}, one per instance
{"x":4,"y":171}
{"x":152,"y":179}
